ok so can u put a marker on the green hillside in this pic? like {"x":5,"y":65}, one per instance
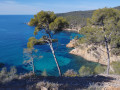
{"x":78,"y":18}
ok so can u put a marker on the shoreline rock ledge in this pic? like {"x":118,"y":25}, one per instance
{"x":92,"y":53}
{"x":72,"y":44}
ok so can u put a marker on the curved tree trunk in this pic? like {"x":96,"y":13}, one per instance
{"x":49,"y":40}
{"x":51,"y":47}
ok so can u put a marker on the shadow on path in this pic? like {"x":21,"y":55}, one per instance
{"x":66,"y":82}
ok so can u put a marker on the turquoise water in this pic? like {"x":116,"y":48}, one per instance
{"x":14,"y":35}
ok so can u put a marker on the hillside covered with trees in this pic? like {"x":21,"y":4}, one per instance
{"x":101,"y":40}
{"x":79,"y":18}
{"x":104,"y":23}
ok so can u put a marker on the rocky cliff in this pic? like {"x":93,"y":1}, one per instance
{"x":72,"y":44}
{"x":93,"y":53}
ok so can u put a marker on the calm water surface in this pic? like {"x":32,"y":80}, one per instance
{"x":14,"y":35}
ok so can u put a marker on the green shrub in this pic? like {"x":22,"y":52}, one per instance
{"x":44,"y":73}
{"x":99,"y":69}
{"x":85,"y":71}
{"x":47,"y":86}
{"x":116,"y":51}
{"x":30,"y":44}
{"x":33,"y":41}
{"x":3,"y":71}
{"x":116,"y":67}
{"x":70,"y":73}
{"x":6,"y":76}
{"x":13,"y":71}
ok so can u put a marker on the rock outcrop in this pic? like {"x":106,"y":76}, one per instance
{"x":92,"y":53}
{"x":72,"y":44}
{"x":71,"y":30}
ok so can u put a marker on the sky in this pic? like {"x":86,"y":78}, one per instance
{"x":31,"y":7}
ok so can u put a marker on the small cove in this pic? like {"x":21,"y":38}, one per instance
{"x":14,"y":35}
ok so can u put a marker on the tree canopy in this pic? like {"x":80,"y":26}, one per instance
{"x":104,"y":21}
{"x":33,"y":41}
{"x":47,"y":18}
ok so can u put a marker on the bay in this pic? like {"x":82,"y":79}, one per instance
{"x":14,"y":35}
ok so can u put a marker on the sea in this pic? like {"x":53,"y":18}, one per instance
{"x":14,"y":35}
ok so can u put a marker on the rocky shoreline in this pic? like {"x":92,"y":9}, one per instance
{"x":71,"y":30}
{"x":92,"y":53}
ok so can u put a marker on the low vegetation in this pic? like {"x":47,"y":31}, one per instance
{"x":116,"y":67}
{"x":71,"y":80}
{"x":70,"y":73}
{"x":85,"y":71}
{"x":95,"y":87}
{"x":44,"y":73}
{"x":47,"y":85}
{"x":6,"y":76}
{"x":99,"y":69}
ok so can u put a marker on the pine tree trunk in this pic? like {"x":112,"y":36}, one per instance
{"x":51,"y":47}
{"x":106,"y":44}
